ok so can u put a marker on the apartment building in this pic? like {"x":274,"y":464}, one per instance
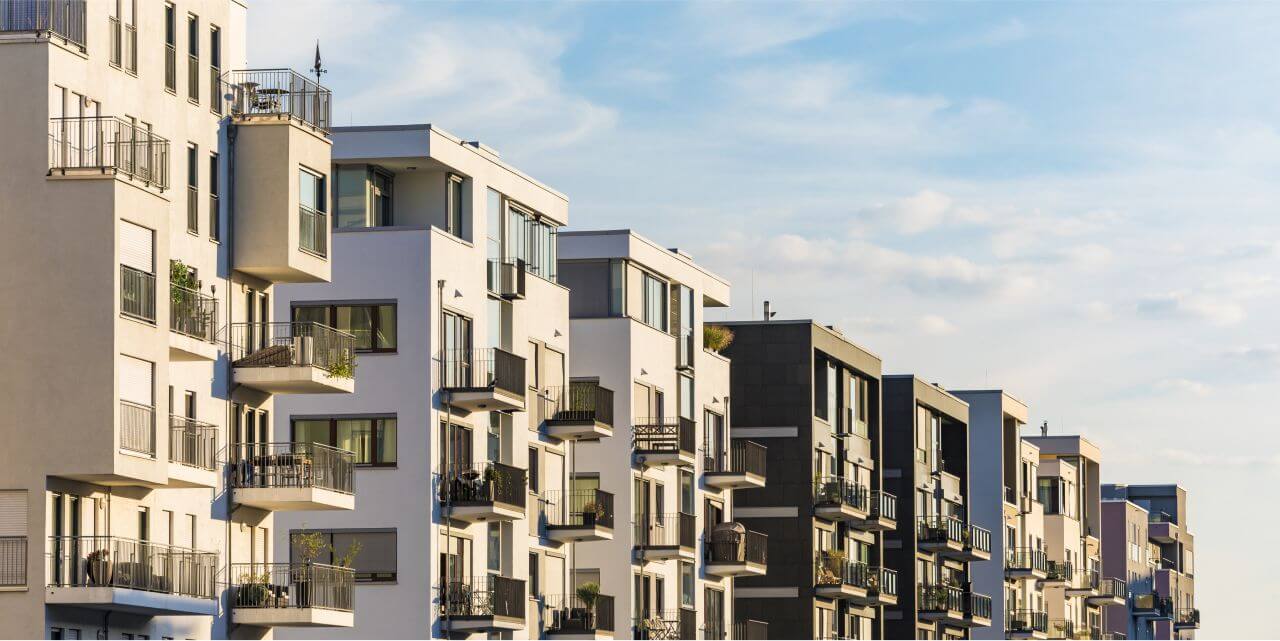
{"x":446,"y":276}
{"x":155,"y":193}
{"x":1069,"y":489}
{"x":812,"y":397}
{"x":1149,"y":545}
{"x":637,"y":313}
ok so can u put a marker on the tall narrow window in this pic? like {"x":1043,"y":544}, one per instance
{"x":115,"y":25}
{"x":313,"y":226}
{"x":128,"y":12}
{"x":193,"y":58}
{"x":193,"y":190}
{"x":215,"y":216}
{"x":380,"y":183}
{"x":655,"y":302}
{"x":215,"y":69}
{"x":455,"y":206}
{"x":170,"y":48}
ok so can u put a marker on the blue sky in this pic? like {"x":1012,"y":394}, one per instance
{"x":1076,"y":202}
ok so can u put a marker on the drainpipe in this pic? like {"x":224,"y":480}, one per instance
{"x":448,"y":422}
{"x":230,"y":201}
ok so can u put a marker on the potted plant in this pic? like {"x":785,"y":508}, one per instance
{"x":252,"y":590}
{"x":716,"y":337}
{"x":100,"y":567}
{"x":588,"y":593}
{"x":589,"y":514}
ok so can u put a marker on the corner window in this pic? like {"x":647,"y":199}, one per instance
{"x":372,"y":553}
{"x":374,"y":325}
{"x":364,"y":197}
{"x":373,"y":440}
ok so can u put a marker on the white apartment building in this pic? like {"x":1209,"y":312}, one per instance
{"x":445,"y":274}
{"x":155,"y":193}
{"x":637,"y":327}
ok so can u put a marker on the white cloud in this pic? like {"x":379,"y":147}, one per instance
{"x":934,"y":325}
{"x":1181,"y":386}
{"x":1183,"y":304}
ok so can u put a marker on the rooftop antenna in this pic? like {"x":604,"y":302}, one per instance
{"x":318,"y":69}
{"x":768,"y":315}
{"x":1044,"y":428}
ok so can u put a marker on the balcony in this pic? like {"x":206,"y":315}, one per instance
{"x":506,"y":278}
{"x":193,"y":450}
{"x":941,"y":603}
{"x":977,"y":609}
{"x":98,"y":146}
{"x":292,"y":595}
{"x":941,"y":535}
{"x":1083,"y":583}
{"x":884,"y":512}
{"x":1151,"y":606}
{"x":659,"y":537}
{"x":482,"y":603}
{"x":666,"y":624}
{"x":1187,"y":619}
{"x":580,"y":515}
{"x":292,"y":476}
{"x":583,"y":411}
{"x":742,"y":467}
{"x":60,"y":19}
{"x":884,"y":587}
{"x":278,"y":95}
{"x":977,"y":544}
{"x":839,"y":499}
{"x":1056,"y":573}
{"x":483,"y":492}
{"x":663,"y":441}
{"x":836,"y":577}
{"x":1062,"y":629}
{"x":193,"y":325}
{"x":293,"y":358}
{"x":138,"y":428}
{"x":750,"y":630}
{"x":1026,"y":624}
{"x":570,"y":617}
{"x":483,"y":380}
{"x":732,"y":550}
{"x":1109,"y":592}
{"x":115,"y":574}
{"x":1025,"y":562}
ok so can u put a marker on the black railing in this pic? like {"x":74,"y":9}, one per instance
{"x":751,"y":630}
{"x":941,"y":598}
{"x":483,"y":369}
{"x":664,"y":435}
{"x":272,"y":465}
{"x":675,"y":529}
{"x":834,"y":568}
{"x":666,"y":624}
{"x":1026,"y":621}
{"x":886,"y":581}
{"x":108,"y":143}
{"x":13,"y":561}
{"x":64,"y":18}
{"x":582,"y":401}
{"x":506,"y":277}
{"x":193,"y":443}
{"x":977,"y":606}
{"x":941,"y":529}
{"x":313,"y":231}
{"x":568,"y":613}
{"x":484,"y":483}
{"x":483,"y":596}
{"x":1150,"y":602}
{"x":193,"y":313}
{"x":728,"y":546}
{"x":282,"y":93}
{"x":1112,"y":587}
{"x":137,"y":428}
{"x":292,"y":585}
{"x":979,"y":539}
{"x":1187,"y":617}
{"x":1024,"y":558}
{"x":137,"y":294}
{"x":579,"y":509}
{"x":293,"y":345}
{"x":835,"y":491}
{"x":1057,"y":571}
{"x":884,"y":505}
{"x":1062,"y":629}
{"x":108,"y":561}
{"x":744,"y":457}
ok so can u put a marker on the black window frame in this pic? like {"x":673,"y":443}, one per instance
{"x":377,"y":437}
{"x":331,"y":316}
{"x":332,"y":553}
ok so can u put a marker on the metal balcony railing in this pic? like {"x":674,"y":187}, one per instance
{"x":941,"y":598}
{"x":725,"y":546}
{"x":13,"y":561}
{"x":1026,"y":621}
{"x":281,"y":93}
{"x":484,"y":483}
{"x":313,"y":231}
{"x":1112,"y":587}
{"x":581,"y":401}
{"x":751,"y":630}
{"x":138,"y":428}
{"x":941,"y":529}
{"x":1062,"y":629}
{"x":838,"y":491}
{"x":1187,"y":617}
{"x":978,"y":538}
{"x":1150,"y":602}
{"x":977,"y":606}
{"x":1026,"y":558}
{"x":579,"y":509}
{"x":292,"y":345}
{"x":675,"y":529}
{"x":304,"y":464}
{"x":568,"y":613}
{"x":886,"y":582}
{"x":193,"y":443}
{"x":743,"y":457}
{"x":478,"y":596}
{"x":664,"y":435}
{"x":483,"y":369}
{"x":292,"y":585}
{"x":681,"y":623}
{"x":108,"y":144}
{"x":1085,"y":580}
{"x":506,"y":277}
{"x":1057,"y":570}
{"x":63,"y":18}
{"x":137,"y":294}
{"x":193,"y":314}
{"x":834,"y":568}
{"x":884,"y":505}
{"x":108,"y":561}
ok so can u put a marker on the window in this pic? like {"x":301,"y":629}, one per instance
{"x":535,"y":586}
{"x":364,"y":197}
{"x":655,"y":302}
{"x":313,"y":226}
{"x":686,"y":396}
{"x":455,"y":206}
{"x":193,"y":58}
{"x":533,"y":470}
{"x":531,"y":240}
{"x":170,"y":49}
{"x":137,"y":271}
{"x":859,"y":405}
{"x":456,"y":450}
{"x":215,"y":216}
{"x":617,"y":288}
{"x":686,"y":584}
{"x":193,"y":189}
{"x":372,"y":439}
{"x":375,"y":561}
{"x":494,"y":547}
{"x":713,"y":613}
{"x":373,"y":325}
{"x":686,"y":491}
{"x":215,"y":69}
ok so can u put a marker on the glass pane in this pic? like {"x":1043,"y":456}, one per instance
{"x":585,"y":484}
{"x":357,"y":436}
{"x":311,"y":315}
{"x":386,"y":441}
{"x":308,"y":187}
{"x":352,"y":197}
{"x":386,"y":327}
{"x":311,"y":432}
{"x":359,"y":322}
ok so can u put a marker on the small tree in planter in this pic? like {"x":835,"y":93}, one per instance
{"x":588,"y":593}
{"x":310,"y":545}
{"x":252,"y":590}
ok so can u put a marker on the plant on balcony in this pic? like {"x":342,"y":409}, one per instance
{"x":591,"y":513}
{"x":100,"y":567}
{"x":716,"y":337}
{"x":252,"y":590}
{"x":180,"y":276}
{"x":344,"y":366}
{"x":588,"y":593}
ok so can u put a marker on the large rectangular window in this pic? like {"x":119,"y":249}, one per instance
{"x":373,"y":325}
{"x":364,"y":197}
{"x":455,"y":450}
{"x":532,"y":240}
{"x":655,"y":302}
{"x":372,"y":439}
{"x":374,"y":559}
{"x":313,"y":226}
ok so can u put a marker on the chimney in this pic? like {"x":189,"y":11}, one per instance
{"x":767,"y":314}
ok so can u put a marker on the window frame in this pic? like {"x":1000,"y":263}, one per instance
{"x":361,"y":577}
{"x":376,"y":437}
{"x":331,"y":317}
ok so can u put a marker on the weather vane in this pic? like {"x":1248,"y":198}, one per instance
{"x":318,"y":69}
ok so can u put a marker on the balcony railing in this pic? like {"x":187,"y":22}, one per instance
{"x":193,"y":314}
{"x":579,"y":509}
{"x":886,"y":581}
{"x":292,"y":345}
{"x":137,"y":294}
{"x":193,"y":443}
{"x":728,"y":546}
{"x":569,"y":614}
{"x":483,"y":369}
{"x":941,"y":598}
{"x":313,"y":231}
{"x":941,"y":529}
{"x":675,"y":529}
{"x":1149,"y":602}
{"x":1187,"y":617}
{"x":64,"y":18}
{"x":1057,"y":571}
{"x":484,"y":483}
{"x":291,"y":465}
{"x":292,"y":585}
{"x":581,"y":401}
{"x":13,"y":561}
{"x":751,"y":630}
{"x":743,"y":457}
{"x":1026,"y":621}
{"x":884,"y":505}
{"x":834,"y":568}
{"x":138,"y":428}
{"x":108,"y":561}
{"x":506,"y":277}
{"x":481,"y":596}
{"x":666,"y":624}
{"x":1112,"y":587}
{"x":1062,"y":629}
{"x":1025,"y":558}
{"x":108,"y":144}
{"x":1086,"y":580}
{"x":837,"y":491}
{"x":979,"y":538}
{"x":664,"y":435}
{"x":977,"y":606}
{"x":282,"y":93}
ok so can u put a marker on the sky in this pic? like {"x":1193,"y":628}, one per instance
{"x":1074,"y":202}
